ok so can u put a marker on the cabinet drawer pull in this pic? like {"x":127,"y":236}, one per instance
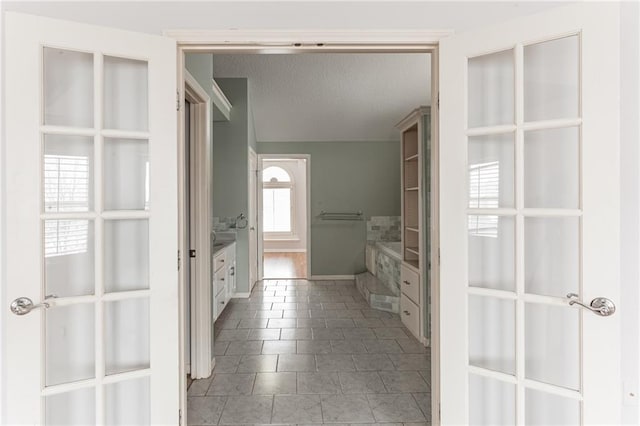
{"x":406,"y":312}
{"x":406,"y":282}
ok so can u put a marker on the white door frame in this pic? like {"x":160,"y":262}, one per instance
{"x":200,"y":171}
{"x":307,"y":201}
{"x":251,"y":213}
{"x":324,"y":41}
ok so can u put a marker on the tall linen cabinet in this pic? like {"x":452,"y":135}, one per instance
{"x":415,"y":147}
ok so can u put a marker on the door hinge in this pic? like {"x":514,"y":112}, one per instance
{"x":177,"y":101}
{"x":192,"y":253}
{"x":178,"y":260}
{"x":438,"y":101}
{"x":180,"y":416}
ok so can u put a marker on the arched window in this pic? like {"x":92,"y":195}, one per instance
{"x":275,"y":174}
{"x":277,"y":201}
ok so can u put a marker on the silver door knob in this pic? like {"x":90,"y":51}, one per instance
{"x":24,"y":305}
{"x":599,"y":306}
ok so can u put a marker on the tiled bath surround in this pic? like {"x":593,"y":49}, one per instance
{"x":223,"y":223}
{"x":388,"y":271}
{"x":383,"y":228}
{"x":380,"y":286}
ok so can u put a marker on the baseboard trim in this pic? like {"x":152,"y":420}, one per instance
{"x":280,"y":250}
{"x":332,"y":277}
{"x":241,"y":295}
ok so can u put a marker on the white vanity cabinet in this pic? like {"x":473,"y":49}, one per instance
{"x":231,"y":271}
{"x":224,"y":278}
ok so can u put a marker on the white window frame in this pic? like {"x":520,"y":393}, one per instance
{"x":292,"y":234}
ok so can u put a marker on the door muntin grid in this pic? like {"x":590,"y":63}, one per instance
{"x":95,"y":237}
{"x":524,"y":257}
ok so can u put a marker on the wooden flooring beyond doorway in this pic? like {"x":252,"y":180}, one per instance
{"x":285,"y":265}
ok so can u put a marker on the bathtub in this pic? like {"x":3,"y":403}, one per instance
{"x":391,"y":248}
{"x":383,"y":260}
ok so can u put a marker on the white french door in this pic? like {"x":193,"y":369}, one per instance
{"x":530,"y":220}
{"x":90,"y":169}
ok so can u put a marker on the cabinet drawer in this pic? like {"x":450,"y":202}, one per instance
{"x":410,"y":283}
{"x":220,"y":260}
{"x":220,"y":301}
{"x":219,"y":281}
{"x":410,"y":315}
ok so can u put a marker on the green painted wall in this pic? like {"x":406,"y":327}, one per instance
{"x":345,"y":177}
{"x":231,"y":141}
{"x":231,"y":169}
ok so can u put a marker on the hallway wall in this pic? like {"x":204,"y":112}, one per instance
{"x":231,"y":142}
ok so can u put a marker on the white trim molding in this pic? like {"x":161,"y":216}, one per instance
{"x":200,"y":152}
{"x":220,"y":100}
{"x":309,"y":40}
{"x":332,"y":277}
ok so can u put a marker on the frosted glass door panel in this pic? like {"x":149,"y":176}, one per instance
{"x":75,"y":408}
{"x":70,"y":354}
{"x":128,"y":402}
{"x":552,"y":168}
{"x":126,"y":94}
{"x":552,"y":255}
{"x":126,"y":335}
{"x":126,"y":174}
{"x":552,"y":345}
{"x":492,"y":333}
{"x":551,"y":79}
{"x":68,"y":173}
{"x":126,"y":255}
{"x":544,"y":409}
{"x":491,"y":402}
{"x":491,"y":171}
{"x":69,"y":257}
{"x":491,"y":89}
{"x":492,"y":252}
{"x":68,"y":88}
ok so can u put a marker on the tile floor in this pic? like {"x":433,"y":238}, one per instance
{"x":303,"y":352}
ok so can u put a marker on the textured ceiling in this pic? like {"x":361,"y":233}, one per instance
{"x":330,"y":97}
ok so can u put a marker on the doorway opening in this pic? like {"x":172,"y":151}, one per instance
{"x":359,"y":173}
{"x":283,"y":206}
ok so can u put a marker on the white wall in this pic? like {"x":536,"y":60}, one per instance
{"x":297,"y":168}
{"x":630,"y":208}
